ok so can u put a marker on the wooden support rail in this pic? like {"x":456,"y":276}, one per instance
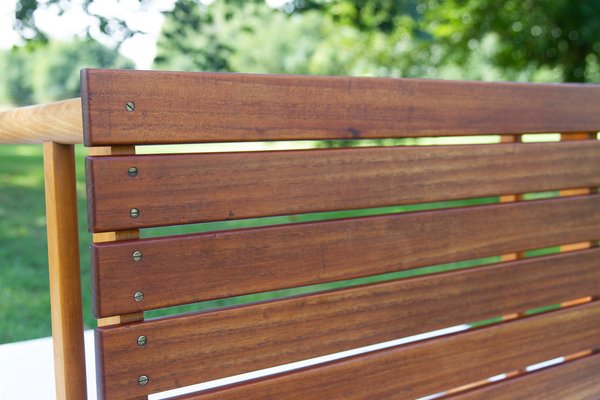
{"x":58,"y":122}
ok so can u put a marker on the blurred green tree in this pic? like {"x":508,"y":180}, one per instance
{"x":16,"y":87}
{"x":477,"y":39}
{"x":116,"y":29}
{"x":529,"y":34}
{"x":50,"y":72}
{"x":250,"y":36}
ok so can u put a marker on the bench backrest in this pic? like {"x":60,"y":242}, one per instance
{"x":339,"y":214}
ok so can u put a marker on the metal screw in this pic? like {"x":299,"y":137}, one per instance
{"x":134,"y":212}
{"x":142,"y":340}
{"x":137,"y":255}
{"x":132,"y":171}
{"x":129,"y":106}
{"x":138,"y":296}
{"x":143,"y":380}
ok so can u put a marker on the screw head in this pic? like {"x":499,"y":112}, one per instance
{"x":132,"y":171}
{"x":134,"y":213}
{"x":143,"y":380}
{"x":130,"y":106}
{"x":137,"y":255}
{"x":138,"y":296}
{"x":142,"y":340}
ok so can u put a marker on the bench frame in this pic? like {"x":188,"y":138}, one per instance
{"x":59,"y":125}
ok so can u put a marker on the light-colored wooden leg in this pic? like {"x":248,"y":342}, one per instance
{"x":65,"y":280}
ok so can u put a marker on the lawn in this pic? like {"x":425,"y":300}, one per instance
{"x":24,"y":292}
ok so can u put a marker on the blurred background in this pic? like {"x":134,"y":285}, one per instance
{"x":44,"y":43}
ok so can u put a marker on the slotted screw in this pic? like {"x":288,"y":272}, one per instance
{"x":132,"y":171}
{"x":134,"y":212}
{"x":137,"y":255}
{"x":142,"y":340}
{"x":129,"y":106}
{"x":143,"y":380}
{"x":138,"y":296}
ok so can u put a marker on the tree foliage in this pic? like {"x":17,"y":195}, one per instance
{"x":114,"y":28}
{"x":474,"y":39}
{"x":51,"y":72}
{"x":563,"y":34}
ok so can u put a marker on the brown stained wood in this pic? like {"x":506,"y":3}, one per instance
{"x":511,"y":197}
{"x":59,"y":122}
{"x":220,"y":343}
{"x":432,"y":366}
{"x":575,"y":380}
{"x":64,"y":272}
{"x":114,"y":236}
{"x":228,"y":263}
{"x":178,"y":189}
{"x":178,"y":107}
{"x":569,"y":137}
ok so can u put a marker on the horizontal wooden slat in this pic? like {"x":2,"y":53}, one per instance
{"x":214,"y":107}
{"x":222,"y":264}
{"x":179,"y":189}
{"x":575,"y":380}
{"x":215,"y":344}
{"x":432,"y":366}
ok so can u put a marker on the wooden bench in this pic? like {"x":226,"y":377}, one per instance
{"x":399,"y":210}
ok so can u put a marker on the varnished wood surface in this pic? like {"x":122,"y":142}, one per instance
{"x":58,"y":122}
{"x":181,"y":269}
{"x":178,"y":107}
{"x":424,"y":368}
{"x":64,"y":272}
{"x":179,"y":189}
{"x":114,"y":236}
{"x":211,"y":345}
{"x":576,"y":380}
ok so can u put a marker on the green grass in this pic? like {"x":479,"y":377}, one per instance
{"x":24,"y":290}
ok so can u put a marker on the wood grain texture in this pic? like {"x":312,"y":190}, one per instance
{"x":177,"y":107}
{"x":211,"y":345}
{"x":180,"y":189}
{"x":114,"y":236}
{"x":575,"y":380}
{"x":58,"y":122}
{"x":432,"y":366}
{"x":63,"y":263}
{"x":228,"y":263}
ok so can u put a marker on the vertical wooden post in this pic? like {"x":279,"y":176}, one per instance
{"x":65,"y":280}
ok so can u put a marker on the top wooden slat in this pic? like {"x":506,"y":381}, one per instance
{"x":177,"y":107}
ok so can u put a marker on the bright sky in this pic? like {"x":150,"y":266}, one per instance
{"x":140,"y":48}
